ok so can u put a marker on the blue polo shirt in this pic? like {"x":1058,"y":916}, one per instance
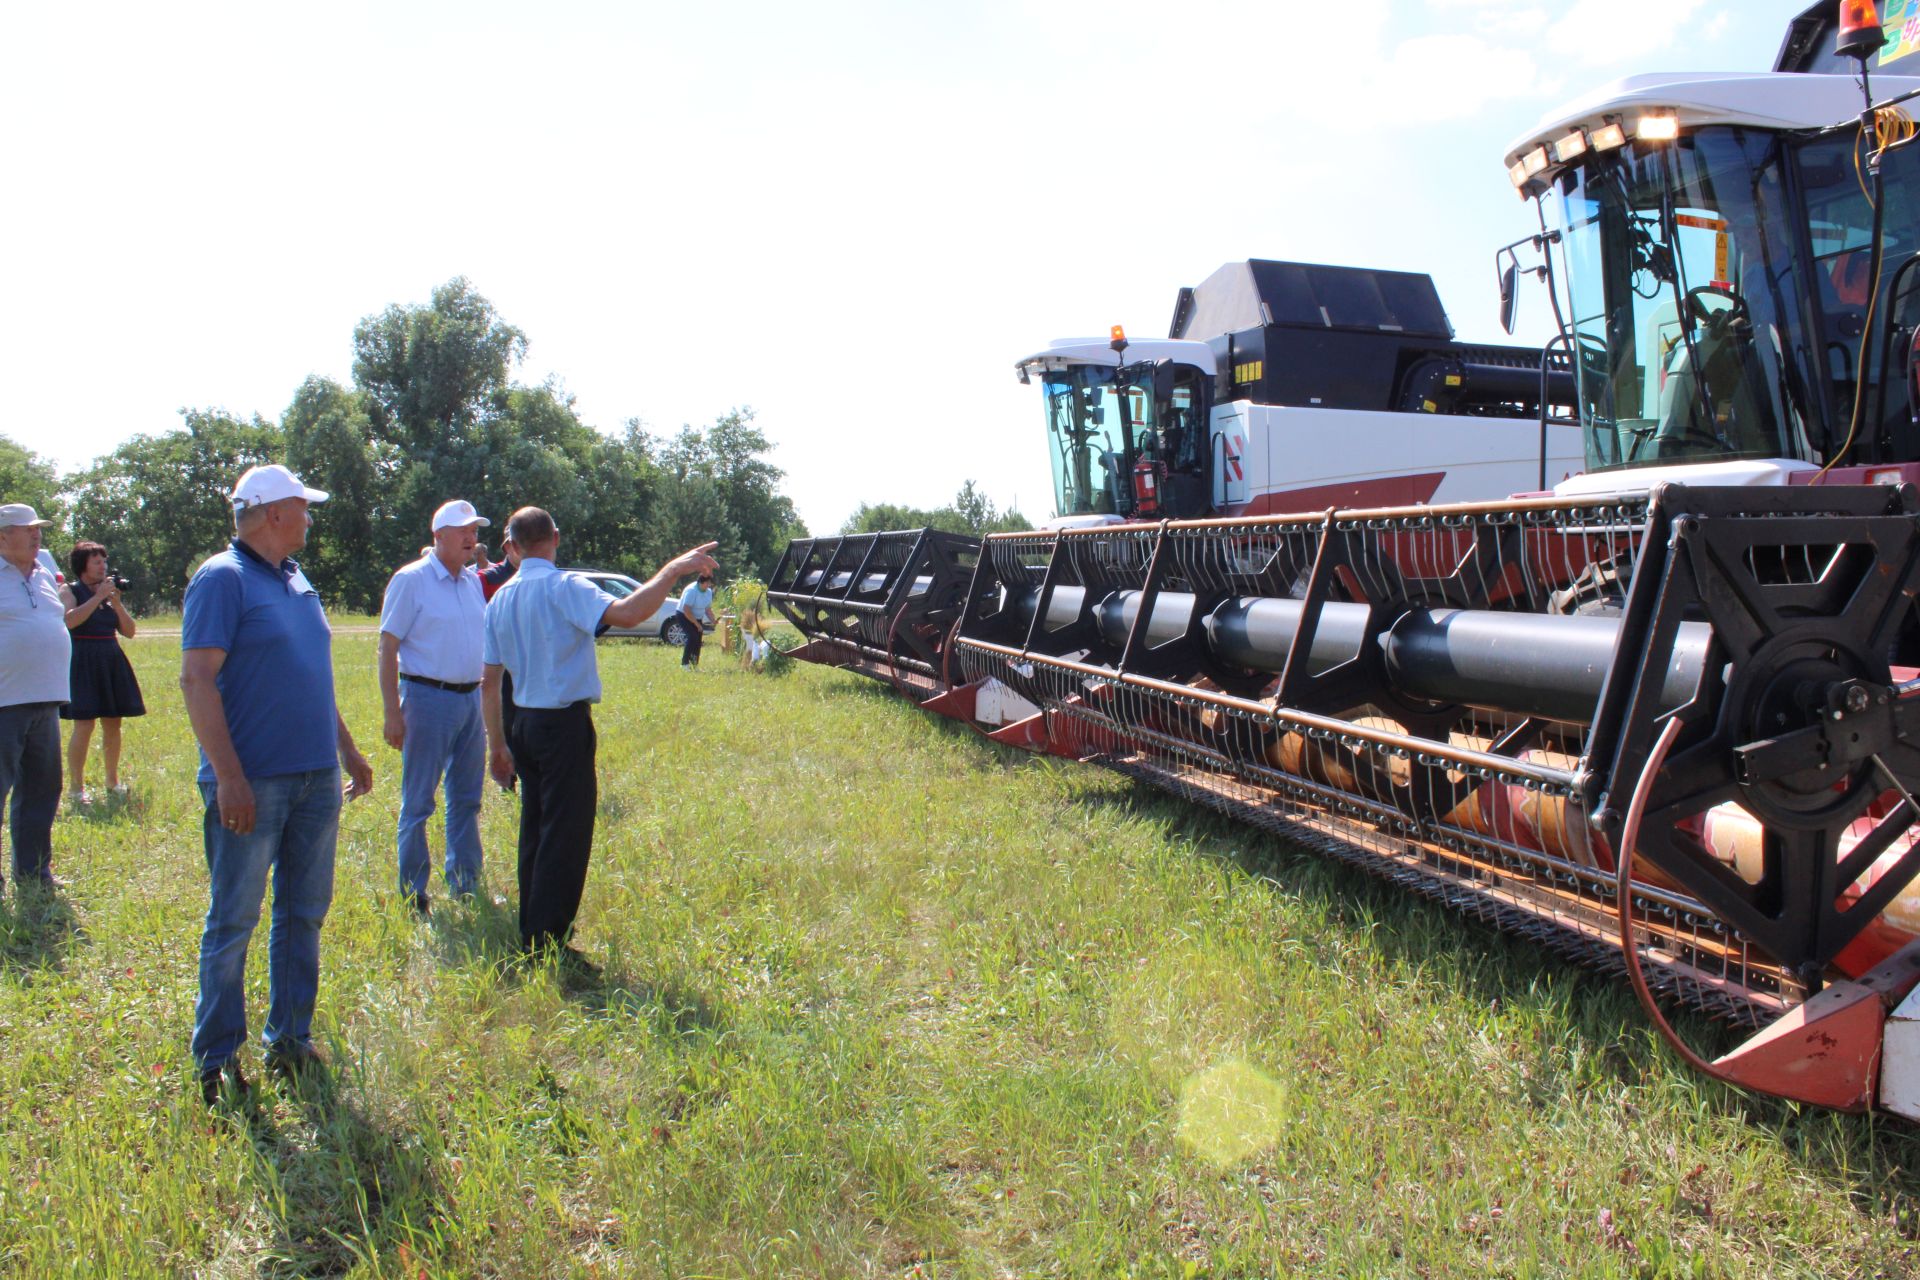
{"x":277,"y":682}
{"x":540,"y":627}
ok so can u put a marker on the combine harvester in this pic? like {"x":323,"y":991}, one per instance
{"x":1665,"y":718}
{"x":1322,"y":386}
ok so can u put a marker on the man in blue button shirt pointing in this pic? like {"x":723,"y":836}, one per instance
{"x":540,"y":629}
{"x":256,"y":668}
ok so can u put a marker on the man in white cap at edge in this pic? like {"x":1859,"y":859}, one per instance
{"x":35,"y":658}
{"x":256,"y":669}
{"x":431,"y":624}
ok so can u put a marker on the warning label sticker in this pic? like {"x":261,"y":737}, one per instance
{"x":1901,"y":19}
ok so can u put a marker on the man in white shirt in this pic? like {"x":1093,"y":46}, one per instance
{"x":35,"y":656}
{"x":430,"y":633}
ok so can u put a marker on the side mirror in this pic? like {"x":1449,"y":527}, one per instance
{"x":1509,"y":294}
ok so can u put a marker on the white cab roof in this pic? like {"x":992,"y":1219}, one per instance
{"x":1064,"y":352}
{"x":1764,"y":100}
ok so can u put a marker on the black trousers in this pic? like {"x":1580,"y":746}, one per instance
{"x":690,"y":651}
{"x":554,"y":751}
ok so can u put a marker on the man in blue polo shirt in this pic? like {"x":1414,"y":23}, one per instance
{"x":256,"y":669}
{"x":540,"y":629}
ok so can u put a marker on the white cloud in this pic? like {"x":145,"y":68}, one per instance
{"x":1453,"y":77}
{"x":1598,"y":32}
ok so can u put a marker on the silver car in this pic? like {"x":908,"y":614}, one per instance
{"x":665,"y":623}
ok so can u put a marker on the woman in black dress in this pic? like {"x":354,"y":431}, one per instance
{"x":103,"y":684}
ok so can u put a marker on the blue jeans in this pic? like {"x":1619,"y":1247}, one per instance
{"x":446,"y":737}
{"x":296,"y":821}
{"x":30,"y":770}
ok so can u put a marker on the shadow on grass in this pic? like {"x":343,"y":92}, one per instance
{"x":108,"y":807}
{"x":37,"y":929}
{"x":341,"y":1188}
{"x":476,"y":930}
{"x":1877,"y":1162}
{"x":482,"y":931}
{"x":612,"y":992}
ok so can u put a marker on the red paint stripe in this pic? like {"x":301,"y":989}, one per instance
{"x":1387,"y":491}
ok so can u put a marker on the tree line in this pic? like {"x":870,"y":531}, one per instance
{"x":433,"y":412}
{"x":970,"y":512}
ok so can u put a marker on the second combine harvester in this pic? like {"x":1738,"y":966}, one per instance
{"x":1662,"y":716}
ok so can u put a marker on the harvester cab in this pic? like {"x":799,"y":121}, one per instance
{"x":1731,"y":260}
{"x":1127,"y":428}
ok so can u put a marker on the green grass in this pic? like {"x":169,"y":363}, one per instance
{"x":879,"y":998}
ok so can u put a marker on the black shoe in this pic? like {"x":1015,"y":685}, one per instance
{"x":293,"y":1060}
{"x":420,"y":905}
{"x":219,"y":1082}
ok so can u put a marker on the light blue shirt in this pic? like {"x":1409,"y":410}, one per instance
{"x":540,"y":627}
{"x":695,"y":600}
{"x":437,"y":618}
{"x":36,"y":650}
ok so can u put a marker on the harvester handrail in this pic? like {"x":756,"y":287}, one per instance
{"x":1482,"y":761}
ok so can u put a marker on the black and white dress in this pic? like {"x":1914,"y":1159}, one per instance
{"x":102,"y":680}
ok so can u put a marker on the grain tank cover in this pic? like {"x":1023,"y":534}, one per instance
{"x":1301,"y":295}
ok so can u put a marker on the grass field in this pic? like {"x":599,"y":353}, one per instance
{"x":879,"y":998}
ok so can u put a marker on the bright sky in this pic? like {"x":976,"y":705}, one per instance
{"x":852,"y":216}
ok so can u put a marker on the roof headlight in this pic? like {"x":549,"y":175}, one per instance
{"x":1663,"y":127}
{"x":1608,"y":137}
{"x":1571,"y":147}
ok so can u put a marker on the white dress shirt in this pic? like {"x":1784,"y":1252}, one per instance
{"x":437,"y":617}
{"x":36,"y":653}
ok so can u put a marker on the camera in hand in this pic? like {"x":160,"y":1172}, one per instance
{"x":120,"y":582}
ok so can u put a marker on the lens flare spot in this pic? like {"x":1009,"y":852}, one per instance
{"x":1231,"y":1111}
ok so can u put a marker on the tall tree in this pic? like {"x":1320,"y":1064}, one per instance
{"x":433,"y":370}
{"x":717,"y":480}
{"x":159,"y":502}
{"x":330,"y":445}
{"x":27,"y":477}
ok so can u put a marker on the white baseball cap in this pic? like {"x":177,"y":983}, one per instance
{"x":270,"y":482}
{"x":18,"y":514}
{"x":458,"y":514}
